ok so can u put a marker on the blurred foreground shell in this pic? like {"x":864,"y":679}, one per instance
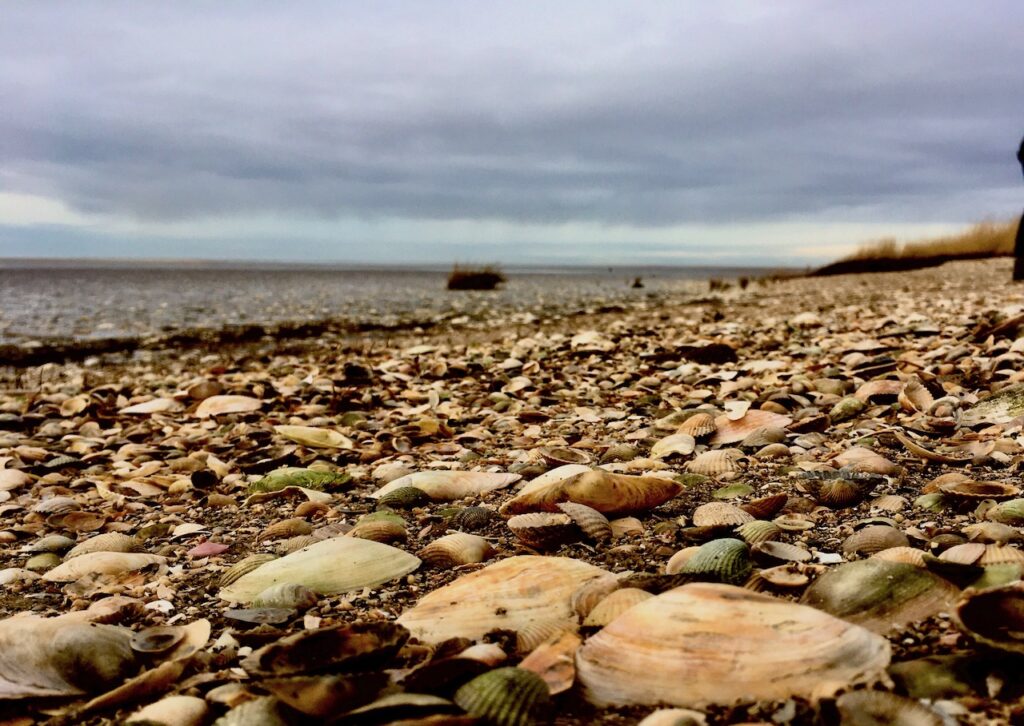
{"x":176,"y":710}
{"x":61,"y":657}
{"x":457,"y":548}
{"x":704,"y":643}
{"x":329,"y":567}
{"x":506,"y":697}
{"x":525,"y":593}
{"x":449,"y":485}
{"x":881,"y":595}
{"x":602,"y":490}
{"x":867,"y":708}
{"x":994,"y":617}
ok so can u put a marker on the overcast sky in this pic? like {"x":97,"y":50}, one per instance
{"x":561,"y":132}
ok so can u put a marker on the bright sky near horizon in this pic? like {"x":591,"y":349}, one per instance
{"x":576,"y":132}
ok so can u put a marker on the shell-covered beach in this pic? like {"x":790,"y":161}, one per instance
{"x":799,"y":502}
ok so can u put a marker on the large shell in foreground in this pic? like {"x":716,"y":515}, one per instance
{"x":518,"y":593}
{"x":881,"y":595}
{"x":704,"y":643}
{"x":457,"y":548}
{"x":329,"y":567}
{"x":602,"y":490}
{"x":449,"y":485}
{"x":994,"y":616}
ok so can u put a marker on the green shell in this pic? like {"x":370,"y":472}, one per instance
{"x":721,"y":560}
{"x":758,"y":531}
{"x":998,"y":575}
{"x":934,"y":502}
{"x":382,"y":515}
{"x":404,"y":498}
{"x":732,"y":491}
{"x":290,"y":476}
{"x":1009,"y":512}
{"x":42,"y":562}
{"x":846,"y":409}
{"x":506,"y":697}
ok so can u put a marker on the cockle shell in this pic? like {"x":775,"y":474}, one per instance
{"x":543,"y":530}
{"x":602,"y":490}
{"x":906,"y":555}
{"x":994,"y":616}
{"x":720,"y":560}
{"x":592,"y":523}
{"x":717,"y":462}
{"x":329,"y":567}
{"x":101,"y":563}
{"x":292,"y":527}
{"x":106,"y":542}
{"x":720,"y":514}
{"x":512,"y":594}
{"x":758,"y":531}
{"x":449,"y":485}
{"x":880,"y":595}
{"x":765,"y":507}
{"x":977,"y":491}
{"x":457,"y":548}
{"x":473,"y":519}
{"x":506,"y":696}
{"x":874,"y":538}
{"x":586,"y":597}
{"x":379,"y":530}
{"x":613,"y":605}
{"x":839,"y":489}
{"x":698,"y":425}
{"x":704,"y":643}
{"x":404,"y":498}
{"x":1001,"y":555}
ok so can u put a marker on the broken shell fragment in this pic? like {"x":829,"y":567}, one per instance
{"x":225,"y":404}
{"x":674,"y":445}
{"x":704,"y":643}
{"x":994,"y":616}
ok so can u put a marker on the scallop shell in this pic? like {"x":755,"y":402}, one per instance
{"x":456,"y":549}
{"x":473,"y":519}
{"x":614,"y":605}
{"x":561,"y":455}
{"x":906,"y":555}
{"x":243,"y":566}
{"x":286,"y":595}
{"x":728,"y":431}
{"x":994,"y":616}
{"x":602,"y":490}
{"x":1000,"y":555}
{"x":915,"y":397}
{"x":698,"y":425}
{"x":720,"y":560}
{"x":329,"y":567}
{"x":101,"y":563}
{"x":758,"y":531}
{"x":839,"y":489}
{"x":717,"y":462}
{"x":765,"y":507}
{"x":106,"y":542}
{"x":880,"y":595}
{"x":512,"y":594}
{"x":285,"y":528}
{"x":506,"y":697}
{"x":404,"y":498}
{"x":720,"y":514}
{"x":704,"y":643}
{"x":593,"y":524}
{"x":861,"y":708}
{"x":449,"y":485}
{"x":874,"y":538}
{"x":588,"y":595}
{"x":543,"y":530}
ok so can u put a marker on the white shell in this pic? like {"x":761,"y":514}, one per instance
{"x":448,"y":485}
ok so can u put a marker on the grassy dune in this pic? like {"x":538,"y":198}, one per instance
{"x":985,"y":239}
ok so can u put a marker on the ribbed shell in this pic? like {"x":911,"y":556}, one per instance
{"x":906,"y":555}
{"x":106,"y":542}
{"x":720,"y":514}
{"x":404,"y":498}
{"x":379,"y":530}
{"x":874,"y":538}
{"x":285,"y":528}
{"x":721,"y":560}
{"x":968,"y":491}
{"x":586,"y":597}
{"x":765,"y":507}
{"x":716,"y":463}
{"x":294,"y":544}
{"x":964,"y":554}
{"x":764,"y":436}
{"x":758,"y":531}
{"x":614,"y":605}
{"x":890,"y":503}
{"x":458,"y":548}
{"x":698,"y":425}
{"x":243,"y":566}
{"x":991,"y":532}
{"x":1001,"y":555}
{"x":505,"y":697}
{"x":594,"y":524}
{"x":543,"y":529}
{"x":839,"y":490}
{"x":473,"y":519}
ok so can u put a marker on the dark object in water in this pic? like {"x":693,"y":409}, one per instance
{"x":638,"y":283}
{"x":483,"y":278}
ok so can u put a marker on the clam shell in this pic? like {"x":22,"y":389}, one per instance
{"x":698,"y":425}
{"x":991,"y":532}
{"x":720,"y":514}
{"x":758,"y":531}
{"x":793,"y":523}
{"x":449,"y":485}
{"x":285,"y":528}
{"x":159,"y":639}
{"x":106,"y":542}
{"x":314,"y":437}
{"x":866,"y":708}
{"x":730,"y":432}
{"x":506,"y":697}
{"x":543,"y":530}
{"x":291,"y":476}
{"x":889,"y":503}
{"x":674,"y":445}
{"x":626,"y":527}
{"x":51,"y":543}
{"x":512,"y":594}
{"x":78,"y":521}
{"x":717,"y":462}
{"x":602,"y":490}
{"x":860,"y":459}
{"x":720,"y":560}
{"x":968,"y":491}
{"x":839,"y":489}
{"x":594,"y":524}
{"x":764,"y":436}
{"x":243,"y":566}
{"x":345,"y":645}
{"x":554,"y":661}
{"x":614,"y":605}
{"x":287,"y":596}
{"x":329,"y":567}
{"x":1009,"y":512}
{"x":42,"y":562}
{"x":176,"y":710}
{"x":963,"y":554}
{"x":994,"y":616}
{"x":456,"y":549}
{"x":704,"y":643}
{"x":473,"y":519}
{"x":225,"y":404}
{"x":772,"y":451}
{"x":561,"y":455}
{"x":765,"y":507}
{"x":786,"y":577}
{"x":769,"y":554}
{"x":101,"y":563}
{"x":846,"y":409}
{"x":874,"y":538}
{"x":906,"y":555}
{"x":404,"y":498}
{"x":880,"y":595}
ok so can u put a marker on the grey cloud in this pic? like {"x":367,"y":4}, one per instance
{"x":650,"y":114}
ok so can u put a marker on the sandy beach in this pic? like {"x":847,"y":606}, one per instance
{"x":826,"y":470}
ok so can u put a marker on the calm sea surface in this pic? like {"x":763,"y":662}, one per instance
{"x":123,"y":300}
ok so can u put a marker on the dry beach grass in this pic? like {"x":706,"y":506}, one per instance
{"x":794,"y":467}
